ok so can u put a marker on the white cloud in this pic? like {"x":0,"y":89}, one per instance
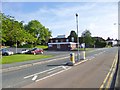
{"x":97,"y":17}
{"x":60,"y":0}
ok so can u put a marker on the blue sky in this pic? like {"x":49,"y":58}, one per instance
{"x":59,"y":17}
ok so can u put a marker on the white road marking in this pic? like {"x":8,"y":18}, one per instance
{"x":81,"y":62}
{"x":96,"y":54}
{"x":92,"y":58}
{"x":52,"y":71}
{"x":41,"y":72}
{"x":52,"y":75}
{"x":34,"y":78}
{"x":64,"y":67}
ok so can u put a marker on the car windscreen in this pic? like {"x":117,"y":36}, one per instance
{"x":5,"y":50}
{"x":33,"y":49}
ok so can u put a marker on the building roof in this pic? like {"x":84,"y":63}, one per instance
{"x":63,"y":43}
{"x":61,"y":36}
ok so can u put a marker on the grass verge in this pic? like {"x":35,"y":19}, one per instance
{"x":22,"y":57}
{"x":42,"y":46}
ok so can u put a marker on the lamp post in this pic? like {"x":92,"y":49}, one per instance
{"x":118,"y":24}
{"x":77,"y":36}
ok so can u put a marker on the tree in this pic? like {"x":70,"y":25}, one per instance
{"x":72,"y":35}
{"x":87,"y":39}
{"x":86,"y":33}
{"x":13,"y":31}
{"x":108,"y":39}
{"x":99,"y":42}
{"x":35,"y":28}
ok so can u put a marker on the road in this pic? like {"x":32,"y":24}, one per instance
{"x":56,"y":74}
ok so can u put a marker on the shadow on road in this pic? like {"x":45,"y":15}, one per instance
{"x":56,"y":65}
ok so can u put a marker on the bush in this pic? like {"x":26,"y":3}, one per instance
{"x":26,"y":46}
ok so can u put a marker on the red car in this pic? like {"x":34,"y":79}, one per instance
{"x":35,"y":51}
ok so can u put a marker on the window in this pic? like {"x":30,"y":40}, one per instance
{"x":50,"y":45}
{"x":72,"y":39}
{"x":56,"y":41}
{"x":58,"y":46}
{"x":66,"y":40}
{"x":51,"y":41}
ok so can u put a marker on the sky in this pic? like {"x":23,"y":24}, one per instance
{"x":59,"y":17}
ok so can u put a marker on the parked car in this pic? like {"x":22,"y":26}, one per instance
{"x":6,"y":52}
{"x":23,"y":51}
{"x":35,"y":51}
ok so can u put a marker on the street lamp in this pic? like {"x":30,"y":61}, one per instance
{"x":77,"y":35}
{"x":118,"y":24}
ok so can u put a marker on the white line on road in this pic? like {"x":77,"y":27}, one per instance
{"x":53,"y":74}
{"x":52,"y":71}
{"x":34,"y":78}
{"x":64,"y":67}
{"x":81,"y":62}
{"x":41,"y":72}
{"x":92,"y":58}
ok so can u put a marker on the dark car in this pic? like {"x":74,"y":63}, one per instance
{"x":6,"y":52}
{"x":35,"y":51}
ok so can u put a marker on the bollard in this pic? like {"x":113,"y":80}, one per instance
{"x":72,"y":58}
{"x":82,"y":55}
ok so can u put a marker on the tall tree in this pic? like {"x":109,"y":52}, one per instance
{"x":35,"y":28}
{"x":108,"y":39}
{"x":87,"y":39}
{"x":13,"y":31}
{"x":72,"y":35}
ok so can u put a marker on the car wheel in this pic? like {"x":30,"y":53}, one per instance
{"x":6,"y":54}
{"x":34,"y":53}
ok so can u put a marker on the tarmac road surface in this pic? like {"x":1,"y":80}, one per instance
{"x":55,"y":74}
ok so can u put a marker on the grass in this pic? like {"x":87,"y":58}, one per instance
{"x":108,"y":46}
{"x":22,"y":57}
{"x":42,"y":46}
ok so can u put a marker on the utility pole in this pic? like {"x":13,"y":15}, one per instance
{"x":77,"y":36}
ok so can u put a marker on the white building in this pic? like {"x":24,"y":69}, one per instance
{"x":113,"y":42}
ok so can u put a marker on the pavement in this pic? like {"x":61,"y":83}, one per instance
{"x":56,"y":74}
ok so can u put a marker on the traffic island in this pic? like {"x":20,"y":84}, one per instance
{"x":72,"y":61}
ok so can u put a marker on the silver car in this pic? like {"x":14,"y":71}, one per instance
{"x":6,"y":52}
